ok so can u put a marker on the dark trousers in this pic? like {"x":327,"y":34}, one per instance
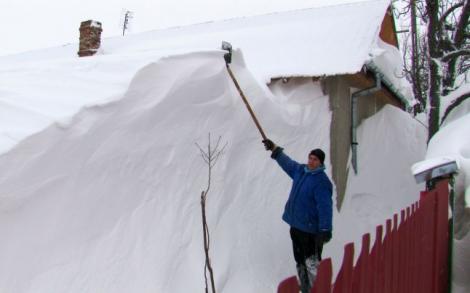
{"x":304,"y":246}
{"x":307,"y":254}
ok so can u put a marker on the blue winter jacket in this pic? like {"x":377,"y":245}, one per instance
{"x":309,"y":207}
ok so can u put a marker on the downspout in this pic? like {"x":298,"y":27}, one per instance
{"x":354,"y":97}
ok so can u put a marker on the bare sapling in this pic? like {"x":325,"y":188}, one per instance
{"x":210,"y":157}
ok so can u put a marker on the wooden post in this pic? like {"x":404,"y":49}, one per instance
{"x":242,"y":95}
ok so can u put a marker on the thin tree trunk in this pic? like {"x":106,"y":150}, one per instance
{"x":435,"y":74}
{"x":205,"y":232}
{"x":415,"y":53}
{"x":210,"y":158}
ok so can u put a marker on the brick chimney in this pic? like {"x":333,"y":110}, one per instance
{"x":90,"y":38}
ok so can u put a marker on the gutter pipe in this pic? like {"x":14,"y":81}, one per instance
{"x":354,"y":96}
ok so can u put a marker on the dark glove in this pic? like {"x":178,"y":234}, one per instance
{"x":323,"y":237}
{"x":268,"y":144}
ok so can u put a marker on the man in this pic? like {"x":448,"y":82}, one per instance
{"x":308,"y":210}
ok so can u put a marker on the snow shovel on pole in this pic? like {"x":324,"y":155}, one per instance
{"x":228,"y":59}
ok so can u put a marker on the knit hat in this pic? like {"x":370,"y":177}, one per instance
{"x":319,"y":154}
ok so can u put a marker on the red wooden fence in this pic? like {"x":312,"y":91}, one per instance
{"x":410,"y":257}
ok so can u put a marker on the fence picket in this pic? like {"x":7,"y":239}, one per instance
{"x":323,"y":281}
{"x":376,"y":260}
{"x":388,"y":258}
{"x":401,"y":253}
{"x":361,"y":270}
{"x":289,"y":285}
{"x":407,"y":256}
{"x":441,"y":240}
{"x":395,"y":250}
{"x":414,"y":230}
{"x":343,"y":283}
{"x":427,"y":241}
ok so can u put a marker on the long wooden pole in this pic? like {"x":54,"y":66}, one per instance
{"x":246,"y":103}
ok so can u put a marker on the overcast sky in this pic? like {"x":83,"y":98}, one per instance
{"x":32,"y":24}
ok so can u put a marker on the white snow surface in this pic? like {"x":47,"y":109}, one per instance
{"x":318,"y":41}
{"x":109,"y":202}
{"x":453,"y":140}
{"x":388,"y":59}
{"x":36,"y":25}
{"x":101,"y":178}
{"x":431,"y":163}
{"x":35,"y":93}
{"x":315,"y":42}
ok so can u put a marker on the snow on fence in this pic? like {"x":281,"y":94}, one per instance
{"x":411,"y":257}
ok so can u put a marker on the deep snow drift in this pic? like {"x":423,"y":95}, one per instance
{"x":453,"y":141}
{"x":109,"y":202}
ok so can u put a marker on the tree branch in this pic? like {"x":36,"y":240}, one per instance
{"x":455,"y":54}
{"x":404,"y":9}
{"x":455,"y":103}
{"x":451,"y":9}
{"x":462,"y":24}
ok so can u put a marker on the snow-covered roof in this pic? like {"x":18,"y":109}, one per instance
{"x":387,"y":60}
{"x":44,"y":86}
{"x":311,"y":42}
{"x":319,"y":41}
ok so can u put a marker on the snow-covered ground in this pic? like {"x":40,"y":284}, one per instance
{"x":109,"y":202}
{"x":100,"y":176}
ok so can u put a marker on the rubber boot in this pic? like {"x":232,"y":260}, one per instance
{"x":303,"y":278}
{"x":311,"y":264}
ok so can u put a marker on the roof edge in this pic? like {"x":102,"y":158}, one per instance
{"x":392,"y":88}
